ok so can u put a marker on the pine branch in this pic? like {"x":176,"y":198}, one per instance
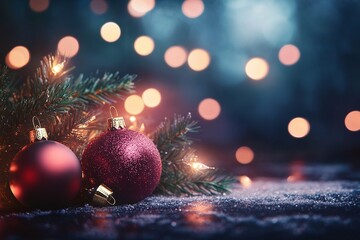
{"x":178,"y":178}
{"x":67,"y":107}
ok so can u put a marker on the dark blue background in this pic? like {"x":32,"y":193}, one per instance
{"x":322,"y":87}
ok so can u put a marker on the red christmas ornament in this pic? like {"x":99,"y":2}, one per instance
{"x":126,"y":161}
{"x":45,"y":174}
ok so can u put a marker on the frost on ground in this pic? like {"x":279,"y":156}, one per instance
{"x":268,"y":209}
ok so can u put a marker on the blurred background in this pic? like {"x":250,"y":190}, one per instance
{"x":269,"y":80}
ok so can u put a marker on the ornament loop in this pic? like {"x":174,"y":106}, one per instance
{"x":33,"y":121}
{"x":103,"y":196}
{"x":112,"y":107}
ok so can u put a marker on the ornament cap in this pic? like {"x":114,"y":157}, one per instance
{"x":38,"y":133}
{"x":103,"y":196}
{"x":117,"y":122}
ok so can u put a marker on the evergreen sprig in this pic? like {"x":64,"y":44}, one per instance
{"x":177,"y":154}
{"x":70,"y":108}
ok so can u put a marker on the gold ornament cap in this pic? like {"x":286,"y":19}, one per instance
{"x":38,"y":133}
{"x":115,"y":123}
{"x":103,"y":196}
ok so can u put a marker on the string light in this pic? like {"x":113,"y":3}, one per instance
{"x":144,"y":45}
{"x":151,"y":97}
{"x":244,"y":155}
{"x":200,"y":166}
{"x":192,"y":8}
{"x":39,"y":5}
{"x":98,"y":6}
{"x":18,"y":57}
{"x":352,"y":121}
{"x":198,"y":59}
{"x":57,"y":68}
{"x":142,"y":6}
{"x":175,"y":56}
{"x":68,"y":46}
{"x":134,"y":104}
{"x":299,"y":127}
{"x":289,"y":54}
{"x":245,"y":181}
{"x":209,"y":109}
{"x":257,"y":68}
{"x":110,"y":32}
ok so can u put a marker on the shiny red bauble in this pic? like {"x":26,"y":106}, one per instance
{"x":126,"y":161}
{"x":45,"y":175}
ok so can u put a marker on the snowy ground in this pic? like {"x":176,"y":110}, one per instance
{"x":267,"y":209}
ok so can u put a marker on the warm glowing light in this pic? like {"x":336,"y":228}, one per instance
{"x":39,"y":5}
{"x":134,"y":104}
{"x":193,"y":8}
{"x":175,"y":56}
{"x":198,"y":59}
{"x":144,"y":45}
{"x":352,"y":121}
{"x":133,"y":12}
{"x":245,"y":181}
{"x":151,"y":97}
{"x":18,"y":57}
{"x":299,"y":127}
{"x":294,"y":178}
{"x":142,"y":128}
{"x":57,"y":68}
{"x":209,"y":109}
{"x":197,"y":214}
{"x":198,"y":166}
{"x":257,"y":68}
{"x":132,"y":119}
{"x":244,"y":155}
{"x":142,"y":6}
{"x":289,"y":54}
{"x":68,"y":46}
{"x":16,"y":190}
{"x":13,"y":167}
{"x":110,"y":32}
{"x":98,"y":6}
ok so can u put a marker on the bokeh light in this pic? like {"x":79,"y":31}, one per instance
{"x":98,"y":6}
{"x":352,"y":121}
{"x":289,"y":54}
{"x":133,"y":12}
{"x":192,"y":8}
{"x":134,"y":104}
{"x":132,"y":118}
{"x":18,"y":57}
{"x":68,"y":46}
{"x":142,"y":6}
{"x":209,"y":109}
{"x":299,"y":127}
{"x":39,"y":5}
{"x":144,"y":45}
{"x":257,"y":68}
{"x":244,"y":155}
{"x":175,"y":56}
{"x":110,"y":32}
{"x":198,"y":59}
{"x":151,"y":97}
{"x":245,"y":181}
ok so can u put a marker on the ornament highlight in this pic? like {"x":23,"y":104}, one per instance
{"x":44,"y":174}
{"x":127,"y":161}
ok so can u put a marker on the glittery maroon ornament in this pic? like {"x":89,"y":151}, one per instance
{"x":45,"y":174}
{"x":126,"y":161}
